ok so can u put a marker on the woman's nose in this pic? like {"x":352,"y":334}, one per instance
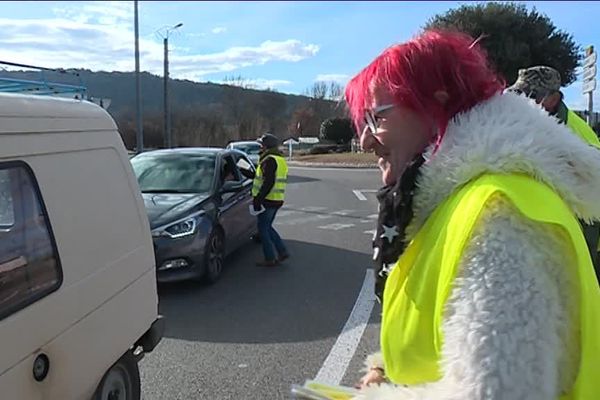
{"x":367,"y":141}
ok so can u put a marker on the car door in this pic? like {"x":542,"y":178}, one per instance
{"x":249,"y":222}
{"x":233,"y":207}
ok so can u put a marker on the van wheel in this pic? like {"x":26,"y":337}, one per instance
{"x":214,"y":256}
{"x":121,"y":382}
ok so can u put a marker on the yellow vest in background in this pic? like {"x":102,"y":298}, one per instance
{"x":582,"y":129}
{"x":277,"y":193}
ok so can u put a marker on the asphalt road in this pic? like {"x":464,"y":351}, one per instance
{"x":260,"y":330}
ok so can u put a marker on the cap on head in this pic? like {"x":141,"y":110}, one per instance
{"x":538,"y":81}
{"x":268,"y":141}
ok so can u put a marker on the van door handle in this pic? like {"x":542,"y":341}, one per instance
{"x":41,"y":367}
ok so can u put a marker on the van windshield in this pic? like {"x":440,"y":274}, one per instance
{"x":174,"y":173}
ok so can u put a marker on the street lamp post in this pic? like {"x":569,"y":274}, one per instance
{"x":167,"y":112}
{"x":138,"y":90}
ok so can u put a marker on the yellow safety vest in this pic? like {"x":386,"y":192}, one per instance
{"x":277,"y":192}
{"x":419,"y":285}
{"x":582,"y":129}
{"x":585,"y":132}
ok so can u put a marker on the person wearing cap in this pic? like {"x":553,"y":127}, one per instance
{"x":268,"y":192}
{"x":542,"y":83}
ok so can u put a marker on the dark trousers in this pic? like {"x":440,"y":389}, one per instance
{"x":270,"y":239}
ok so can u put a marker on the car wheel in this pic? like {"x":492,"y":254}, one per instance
{"x":121,"y":382}
{"x":215,"y":255}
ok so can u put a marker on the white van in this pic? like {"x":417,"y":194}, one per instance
{"x":78,"y":299}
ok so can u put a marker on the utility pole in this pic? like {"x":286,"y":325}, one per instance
{"x":166,"y":113}
{"x":138,"y":88}
{"x":168,"y":138}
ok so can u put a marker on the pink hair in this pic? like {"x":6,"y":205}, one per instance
{"x":414,"y":71}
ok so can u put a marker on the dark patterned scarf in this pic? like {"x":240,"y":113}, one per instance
{"x":395,"y":213}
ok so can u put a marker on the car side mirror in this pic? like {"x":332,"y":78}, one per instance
{"x":231,"y":186}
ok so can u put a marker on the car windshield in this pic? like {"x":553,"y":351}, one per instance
{"x":174,"y":173}
{"x":248,"y":148}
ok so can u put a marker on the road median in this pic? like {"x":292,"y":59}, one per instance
{"x":337,"y":160}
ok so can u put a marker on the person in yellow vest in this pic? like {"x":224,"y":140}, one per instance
{"x":268,"y":192}
{"x":543,"y":83}
{"x":494,"y":296}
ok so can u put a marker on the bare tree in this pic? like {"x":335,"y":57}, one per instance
{"x":336,"y":91}
{"x":319,"y":90}
{"x":325,"y":102}
{"x":239,"y":81}
{"x":325,"y":90}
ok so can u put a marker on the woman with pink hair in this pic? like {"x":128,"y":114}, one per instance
{"x":494,"y":296}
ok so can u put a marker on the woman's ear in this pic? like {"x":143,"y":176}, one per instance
{"x":441,"y":96}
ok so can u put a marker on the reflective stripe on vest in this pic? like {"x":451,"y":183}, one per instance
{"x":582,"y":129}
{"x":277,"y":192}
{"x":418,"y":287}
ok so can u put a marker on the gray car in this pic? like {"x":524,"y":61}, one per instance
{"x":197,"y":203}
{"x":250,"y":147}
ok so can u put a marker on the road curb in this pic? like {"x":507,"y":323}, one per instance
{"x":330,"y":165}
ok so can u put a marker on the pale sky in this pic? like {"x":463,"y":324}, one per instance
{"x":284,"y":45}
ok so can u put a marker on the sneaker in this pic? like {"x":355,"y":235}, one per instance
{"x":284,"y":257}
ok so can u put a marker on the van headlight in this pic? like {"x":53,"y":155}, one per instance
{"x":177,"y":229}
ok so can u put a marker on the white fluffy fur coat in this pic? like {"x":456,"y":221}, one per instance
{"x":510,"y":324}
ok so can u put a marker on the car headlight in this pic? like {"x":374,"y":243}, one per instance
{"x":175,"y":230}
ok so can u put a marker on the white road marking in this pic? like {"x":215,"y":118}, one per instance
{"x":373,"y":232}
{"x":359,"y":195}
{"x":334,"y":368}
{"x":373,"y":216}
{"x":303,"y":220}
{"x":342,"y":212}
{"x":336,"y":227}
{"x":312,"y":209}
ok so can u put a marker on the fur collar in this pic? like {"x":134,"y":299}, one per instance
{"x":506,"y":134}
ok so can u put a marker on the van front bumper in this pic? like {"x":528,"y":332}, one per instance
{"x":153,"y":336}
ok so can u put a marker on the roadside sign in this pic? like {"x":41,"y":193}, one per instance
{"x":590,"y":60}
{"x":589,"y":86}
{"x":290,"y":142}
{"x":589,"y":73}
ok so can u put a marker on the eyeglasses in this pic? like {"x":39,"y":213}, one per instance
{"x":372,"y":116}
